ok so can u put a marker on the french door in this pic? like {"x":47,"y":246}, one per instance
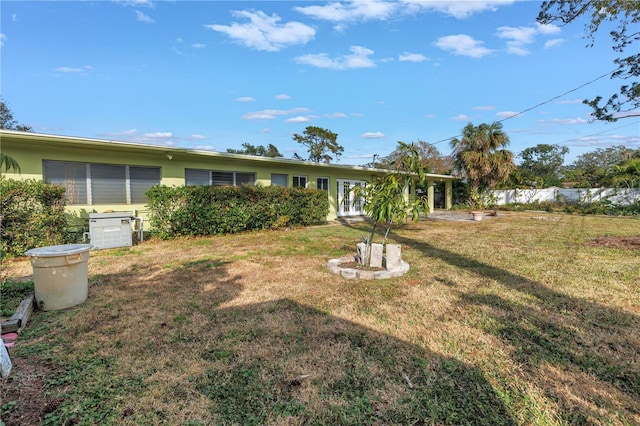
{"x":348,"y":203}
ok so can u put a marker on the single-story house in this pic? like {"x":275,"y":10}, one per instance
{"x":105,"y":175}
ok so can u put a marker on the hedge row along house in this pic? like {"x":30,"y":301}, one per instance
{"x":106,"y":175}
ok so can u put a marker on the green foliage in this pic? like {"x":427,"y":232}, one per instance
{"x":32,"y":215}
{"x":320,"y":143}
{"x":210,"y":210}
{"x":596,"y":169}
{"x":431,"y":159}
{"x":386,"y":199}
{"x":6,"y":119}
{"x":624,"y":17}
{"x":480,"y":155}
{"x":261,"y":151}
{"x":595,"y":208}
{"x":542,"y":164}
{"x":8,"y":163}
{"x":11,"y":294}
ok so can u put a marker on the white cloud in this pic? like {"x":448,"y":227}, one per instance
{"x":136,"y":3}
{"x":132,"y":135}
{"x":484,"y":108}
{"x":373,"y":135}
{"x":14,"y":17}
{"x":556,"y":42}
{"x":204,"y":147}
{"x":73,"y":70}
{"x":298,"y":119}
{"x":523,"y":35}
{"x":198,"y":45}
{"x":270,"y":114}
{"x":264,"y":32}
{"x":337,"y":115}
{"x":412,"y":57}
{"x":462,"y":45}
{"x":143,"y":18}
{"x":460,"y":117}
{"x":282,"y":97}
{"x":2,"y":39}
{"x":507,"y":114}
{"x":245,"y":99}
{"x":519,"y":37}
{"x":158,"y":135}
{"x":359,"y":58}
{"x":351,"y":11}
{"x":197,"y":137}
{"x":457,"y":9}
{"x":430,"y":116}
{"x":122,"y":134}
{"x":578,"y":120}
{"x":548,"y":29}
{"x":570,"y":102}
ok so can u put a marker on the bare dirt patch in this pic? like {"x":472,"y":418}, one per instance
{"x":27,"y":385}
{"x":620,"y":242}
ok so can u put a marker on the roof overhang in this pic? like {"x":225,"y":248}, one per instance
{"x":177,"y":152}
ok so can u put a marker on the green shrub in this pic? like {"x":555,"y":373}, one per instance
{"x":597,"y":207}
{"x":31,"y":215}
{"x":210,"y":210}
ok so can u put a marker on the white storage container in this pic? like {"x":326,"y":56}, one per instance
{"x":60,"y":275}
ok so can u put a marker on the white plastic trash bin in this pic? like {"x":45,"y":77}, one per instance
{"x":60,"y":275}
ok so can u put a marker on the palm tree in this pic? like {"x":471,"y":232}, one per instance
{"x":8,"y":163}
{"x":480,"y":155}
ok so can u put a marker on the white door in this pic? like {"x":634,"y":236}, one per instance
{"x":348,"y":203}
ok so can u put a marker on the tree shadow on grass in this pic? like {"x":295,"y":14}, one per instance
{"x":150,"y":342}
{"x":284,"y":360}
{"x":557,"y":335}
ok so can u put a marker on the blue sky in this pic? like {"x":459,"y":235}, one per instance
{"x":216,"y":74}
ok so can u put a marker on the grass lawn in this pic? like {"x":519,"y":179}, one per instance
{"x":522,"y":319}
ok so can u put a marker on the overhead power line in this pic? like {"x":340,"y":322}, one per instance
{"x":540,"y":104}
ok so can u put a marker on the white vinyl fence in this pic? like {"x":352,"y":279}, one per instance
{"x":617,"y":196}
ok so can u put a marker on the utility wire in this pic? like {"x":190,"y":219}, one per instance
{"x":604,"y":131}
{"x":540,"y":104}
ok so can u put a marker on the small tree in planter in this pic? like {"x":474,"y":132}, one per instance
{"x":386,"y":199}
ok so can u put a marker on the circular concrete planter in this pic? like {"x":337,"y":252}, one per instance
{"x":352,"y":273}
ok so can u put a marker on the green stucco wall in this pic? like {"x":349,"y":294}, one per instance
{"x":30,"y":149}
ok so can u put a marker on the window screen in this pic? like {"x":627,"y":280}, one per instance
{"x":89,"y":184}
{"x":197,"y":177}
{"x":322,"y":183}
{"x":221,"y":178}
{"x":245,"y":178}
{"x":299,"y":181}
{"x":140,"y":180}
{"x":108,"y":184}
{"x":71,"y":175}
{"x":279,"y":179}
{"x":218,"y":177}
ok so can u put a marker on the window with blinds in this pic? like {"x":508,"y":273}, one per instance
{"x":217,"y":177}
{"x":94,"y":183}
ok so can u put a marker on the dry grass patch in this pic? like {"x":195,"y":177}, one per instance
{"x":506,"y":321}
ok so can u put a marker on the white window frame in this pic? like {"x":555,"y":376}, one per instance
{"x":323,"y":186}
{"x":297,"y":180}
